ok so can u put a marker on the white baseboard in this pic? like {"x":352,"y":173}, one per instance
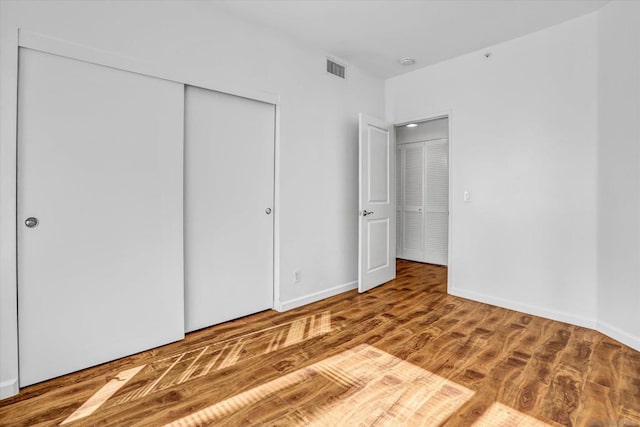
{"x":607,"y":329}
{"x":619,"y":335}
{"x":525,"y":308}
{"x":9,"y":388}
{"x":316,"y":296}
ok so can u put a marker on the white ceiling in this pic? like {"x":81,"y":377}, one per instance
{"x":373,"y":35}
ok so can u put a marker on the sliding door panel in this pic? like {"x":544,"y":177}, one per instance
{"x":229,"y":178}
{"x":100,"y":270}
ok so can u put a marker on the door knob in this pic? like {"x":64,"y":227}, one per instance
{"x":267,"y":211}
{"x":31,"y":222}
{"x":366,"y":212}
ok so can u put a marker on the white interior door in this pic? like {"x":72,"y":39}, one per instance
{"x":229,"y":178}
{"x":377,"y":204}
{"x":100,"y":167}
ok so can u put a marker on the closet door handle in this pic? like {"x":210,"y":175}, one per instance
{"x":31,"y":222}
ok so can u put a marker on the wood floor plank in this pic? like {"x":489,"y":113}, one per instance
{"x":405,"y":353}
{"x":569,"y":378}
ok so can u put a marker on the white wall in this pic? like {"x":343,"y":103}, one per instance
{"x":197,"y":42}
{"x":523,"y":142}
{"x":619,"y":171}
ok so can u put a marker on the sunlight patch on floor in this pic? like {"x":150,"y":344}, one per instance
{"x":102,"y":395}
{"x":180,"y":368}
{"x":367,"y":385}
{"x":499,"y":415}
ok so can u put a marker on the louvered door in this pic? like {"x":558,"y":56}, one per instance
{"x":411,"y":205}
{"x":423,"y":201}
{"x":436,"y":224}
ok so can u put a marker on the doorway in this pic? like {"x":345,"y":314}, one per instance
{"x":422,"y":180}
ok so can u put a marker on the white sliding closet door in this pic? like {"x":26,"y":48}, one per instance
{"x":100,"y":271}
{"x":229,"y":182}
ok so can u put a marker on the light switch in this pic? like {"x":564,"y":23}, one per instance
{"x":467,"y":196}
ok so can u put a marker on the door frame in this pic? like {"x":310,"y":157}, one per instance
{"x":9,"y":374}
{"x":434,"y":116}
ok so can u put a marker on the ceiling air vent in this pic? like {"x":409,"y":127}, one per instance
{"x":335,"y":68}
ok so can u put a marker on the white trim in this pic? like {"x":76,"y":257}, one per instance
{"x":427,"y":141}
{"x":450,"y":282}
{"x":276,"y":209}
{"x":534,"y":310}
{"x":427,"y":118}
{"x":594,"y":324}
{"x":8,"y":271}
{"x":9,"y":388}
{"x":618,"y":335}
{"x":68,"y":49}
{"x":316,"y":296}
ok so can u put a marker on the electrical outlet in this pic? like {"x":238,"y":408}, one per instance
{"x":297,"y":276}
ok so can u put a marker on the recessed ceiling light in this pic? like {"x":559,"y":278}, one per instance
{"x":412,"y":125}
{"x":407,"y":61}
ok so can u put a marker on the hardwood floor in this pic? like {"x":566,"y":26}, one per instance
{"x":405,"y":353}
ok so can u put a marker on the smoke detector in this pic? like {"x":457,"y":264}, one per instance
{"x":407,"y":61}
